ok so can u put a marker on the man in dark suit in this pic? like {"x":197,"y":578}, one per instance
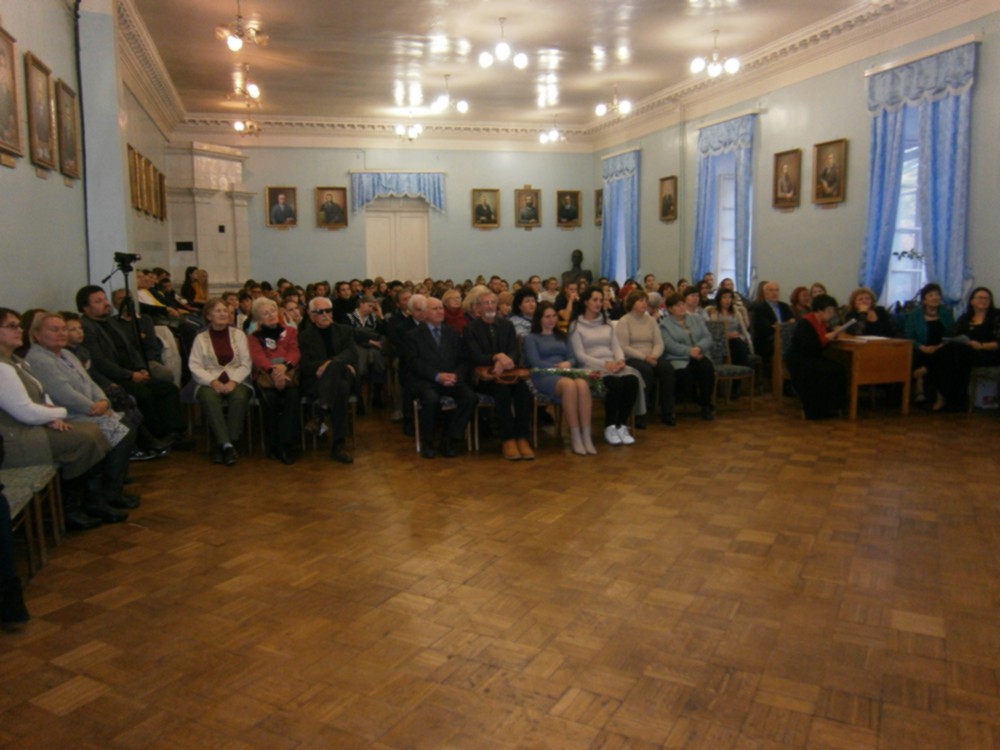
{"x":436,"y":369}
{"x":409,"y":314}
{"x":492,"y":342}
{"x":763,"y":315}
{"x":117,"y":360}
{"x":328,"y":368}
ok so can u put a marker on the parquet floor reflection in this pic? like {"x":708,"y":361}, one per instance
{"x":757,"y":583}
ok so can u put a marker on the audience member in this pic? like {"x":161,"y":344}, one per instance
{"x":274,"y":349}
{"x":686,"y":343}
{"x":819,"y":381}
{"x":642,"y":344}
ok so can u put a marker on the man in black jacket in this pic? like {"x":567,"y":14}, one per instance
{"x":120,"y":362}
{"x":436,"y":368}
{"x":328,"y":366}
{"x":763,"y":315}
{"x":491,"y":342}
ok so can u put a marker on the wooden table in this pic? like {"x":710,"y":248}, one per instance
{"x":871,"y":361}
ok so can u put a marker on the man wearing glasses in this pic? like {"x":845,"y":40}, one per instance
{"x":329,"y":366}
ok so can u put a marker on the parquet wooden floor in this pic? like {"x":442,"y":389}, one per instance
{"x":757,"y":583}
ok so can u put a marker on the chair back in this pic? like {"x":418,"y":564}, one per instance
{"x":720,"y":346}
{"x":783,"y":333}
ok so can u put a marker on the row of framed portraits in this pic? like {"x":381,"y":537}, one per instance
{"x":829,"y":175}
{"x":147,"y":186}
{"x":281,"y":207}
{"x":528,"y":208}
{"x":53,"y":113}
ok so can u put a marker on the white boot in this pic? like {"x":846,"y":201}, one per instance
{"x":588,"y":441}
{"x":577,"y":442}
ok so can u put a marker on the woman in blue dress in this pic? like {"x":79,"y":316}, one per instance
{"x":547,"y":347}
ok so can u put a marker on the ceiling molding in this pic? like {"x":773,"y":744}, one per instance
{"x":837,"y":41}
{"x":144,"y":72}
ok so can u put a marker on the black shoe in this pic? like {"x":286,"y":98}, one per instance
{"x":339,"y":453}
{"x":217,"y":454}
{"x":229,"y":455}
{"x":128,"y":501}
{"x":640,"y":423}
{"x":708,"y":413}
{"x":13,"y":613}
{"x":669,"y":419}
{"x":426,"y":452}
{"x":448,"y":449}
{"x":106,"y":513}
{"x":77,"y":520}
{"x":138,"y":455}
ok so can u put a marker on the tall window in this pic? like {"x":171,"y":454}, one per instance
{"x":725,"y":243}
{"x":907,"y":269}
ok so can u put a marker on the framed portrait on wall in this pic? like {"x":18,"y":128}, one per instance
{"x":133,"y":185}
{"x":41,"y":115}
{"x":787,"y":179}
{"x":331,"y":207}
{"x":281,"y":207}
{"x":10,"y":121}
{"x":485,"y":208}
{"x":830,"y":172}
{"x":68,"y":118}
{"x":163,"y":196}
{"x":527,"y":208}
{"x":568,"y":211}
{"x":599,"y":207}
{"x":668,"y":198}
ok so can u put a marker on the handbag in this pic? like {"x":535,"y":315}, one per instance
{"x":507,"y":377}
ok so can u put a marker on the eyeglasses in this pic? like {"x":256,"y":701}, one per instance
{"x":323,"y":311}
{"x":13,"y":326}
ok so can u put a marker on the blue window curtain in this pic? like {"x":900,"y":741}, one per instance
{"x":724,"y":145}
{"x":367,"y":186}
{"x":937,"y":90}
{"x":620,"y":225}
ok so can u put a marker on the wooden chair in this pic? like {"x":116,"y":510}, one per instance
{"x":25,"y":508}
{"x":447,"y":403}
{"x":725,"y":371}
{"x":779,"y":370}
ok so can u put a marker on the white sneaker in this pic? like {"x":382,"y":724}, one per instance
{"x":624,"y":436}
{"x":611,"y":435}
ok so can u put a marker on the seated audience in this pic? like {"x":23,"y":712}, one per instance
{"x":35,"y":432}
{"x":454,"y":311}
{"x":67,"y":383}
{"x":640,"y":339}
{"x":491,"y":343}
{"x":547,"y":347}
{"x":523,"y":309}
{"x":737,"y":335}
{"x":220,"y":367}
{"x":872,"y":320}
{"x":329,"y":369}
{"x":820,"y":382}
{"x":146,"y":340}
{"x":274,"y":349}
{"x":926,"y":326}
{"x":686,"y":345}
{"x":596,"y":347}
{"x":800,"y":301}
{"x":121,"y":363}
{"x":767,"y":310}
{"x":437,"y":369}
{"x":410,"y":315}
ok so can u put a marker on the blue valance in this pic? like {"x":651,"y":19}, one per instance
{"x":933,"y":78}
{"x":727,"y":136}
{"x":620,"y":165}
{"x":367,"y":186}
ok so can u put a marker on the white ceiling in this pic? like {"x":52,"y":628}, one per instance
{"x":332,"y":59}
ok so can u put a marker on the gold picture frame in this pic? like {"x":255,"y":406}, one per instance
{"x":568,"y":209}
{"x":485,"y":208}
{"x":281,"y":207}
{"x":668,"y":198}
{"x":41,"y":112}
{"x":68,"y":121}
{"x":787,"y":179}
{"x":830,"y":172}
{"x":331,"y":207}
{"x":528,"y":208}
{"x":10,"y":118}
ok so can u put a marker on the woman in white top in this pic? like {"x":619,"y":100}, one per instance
{"x":595,"y":346}
{"x":640,"y":338}
{"x":220,"y":366}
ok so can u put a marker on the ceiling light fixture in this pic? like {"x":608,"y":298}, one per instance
{"x":715,"y":64}
{"x":551,"y":136}
{"x":502,"y":52}
{"x":445,"y":101}
{"x":248,"y":93}
{"x":247,"y":126}
{"x":411,"y":132}
{"x":621,"y":107}
{"x":238,"y":32}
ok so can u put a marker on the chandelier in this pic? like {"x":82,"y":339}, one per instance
{"x":445,"y":101}
{"x":502,"y":52}
{"x":621,"y":107}
{"x":410,"y":132}
{"x":247,"y":126}
{"x":240,"y":31}
{"x":715,"y":64}
{"x":247,"y":92}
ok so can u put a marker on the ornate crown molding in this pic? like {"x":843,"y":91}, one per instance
{"x":144,"y":71}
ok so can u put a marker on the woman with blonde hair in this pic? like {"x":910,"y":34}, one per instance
{"x":274,"y":350}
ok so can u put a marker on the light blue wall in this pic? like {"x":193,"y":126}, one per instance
{"x":42,"y":237}
{"x":456,"y":248}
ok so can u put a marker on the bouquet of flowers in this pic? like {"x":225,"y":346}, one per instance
{"x":594,"y":377}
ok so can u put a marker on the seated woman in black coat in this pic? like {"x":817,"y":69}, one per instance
{"x":820,"y":382}
{"x":976,"y":343}
{"x":873,"y":320}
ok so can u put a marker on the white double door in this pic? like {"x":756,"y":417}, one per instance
{"x":397,"y":238}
